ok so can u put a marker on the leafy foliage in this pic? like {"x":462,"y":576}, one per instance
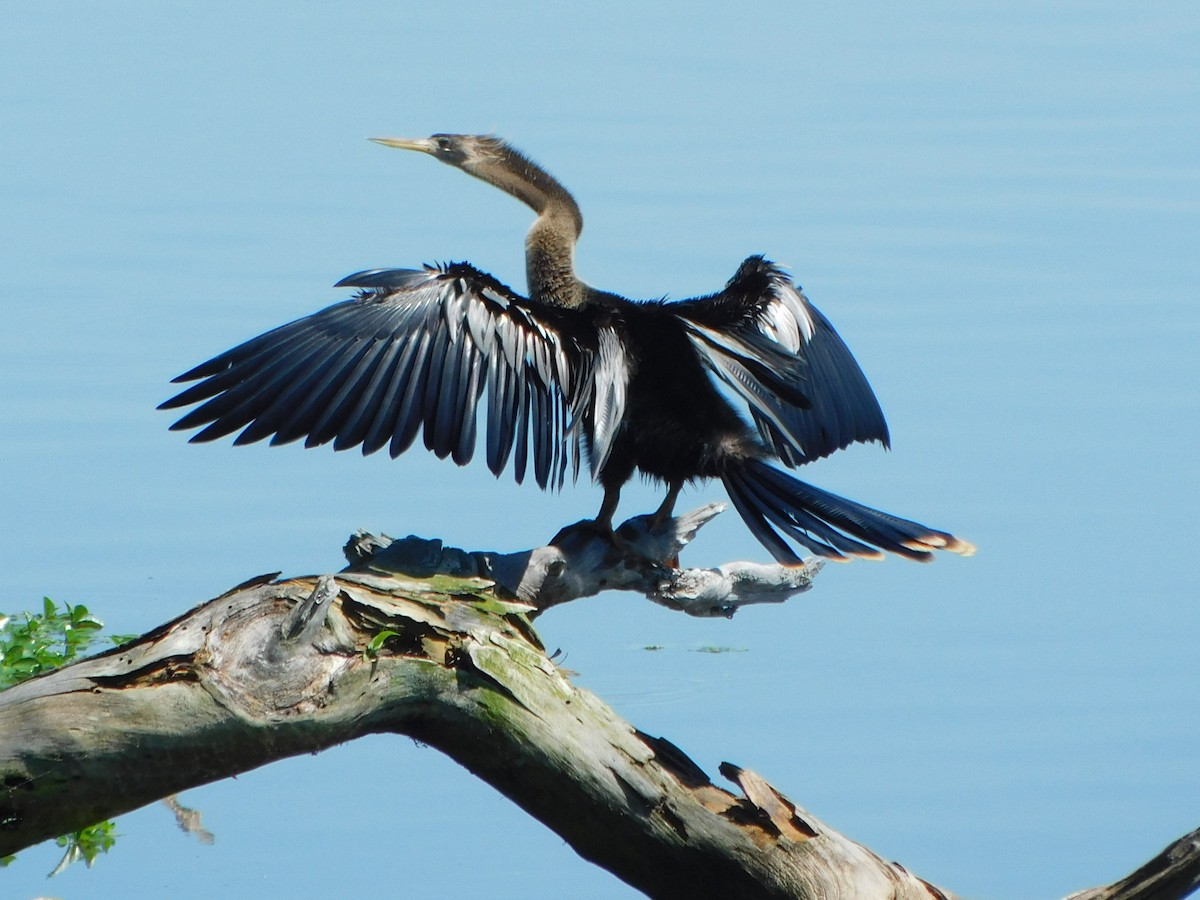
{"x":34,"y":643}
{"x":86,"y":844}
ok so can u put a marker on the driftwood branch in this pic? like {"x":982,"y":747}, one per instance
{"x":277,"y":668}
{"x":581,"y":561}
{"x":1173,"y":873}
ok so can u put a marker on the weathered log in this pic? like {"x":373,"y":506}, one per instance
{"x":277,"y":668}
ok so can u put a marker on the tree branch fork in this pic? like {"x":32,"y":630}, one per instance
{"x":435,"y":643}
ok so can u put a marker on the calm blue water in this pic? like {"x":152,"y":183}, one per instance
{"x":998,"y":206}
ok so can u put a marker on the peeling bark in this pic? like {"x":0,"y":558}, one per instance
{"x":274,"y":669}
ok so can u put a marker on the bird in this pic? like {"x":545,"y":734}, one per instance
{"x":571,"y":376}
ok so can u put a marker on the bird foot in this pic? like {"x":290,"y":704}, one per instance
{"x":651,"y":531}
{"x":592,"y":527}
{"x":590,"y":531}
{"x":662,"y":539}
{"x":640,"y":537}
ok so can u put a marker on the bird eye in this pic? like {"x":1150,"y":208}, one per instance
{"x":445,"y":144}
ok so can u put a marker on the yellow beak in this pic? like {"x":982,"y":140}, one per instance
{"x":424,"y":145}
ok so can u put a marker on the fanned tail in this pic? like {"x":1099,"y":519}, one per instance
{"x":828,"y":525}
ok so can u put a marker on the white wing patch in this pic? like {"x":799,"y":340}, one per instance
{"x":610,"y":383}
{"x":787,"y":318}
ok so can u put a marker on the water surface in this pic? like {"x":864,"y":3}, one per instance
{"x":997,"y":205}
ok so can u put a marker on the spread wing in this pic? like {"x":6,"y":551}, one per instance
{"x":414,"y":351}
{"x":806,"y":393}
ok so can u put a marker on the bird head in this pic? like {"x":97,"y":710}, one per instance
{"x":469,"y":152}
{"x":497,"y":162}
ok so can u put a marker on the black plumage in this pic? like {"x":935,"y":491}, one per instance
{"x":572,"y":372}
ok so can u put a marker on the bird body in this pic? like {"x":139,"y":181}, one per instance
{"x":677,"y":426}
{"x":571,"y":371}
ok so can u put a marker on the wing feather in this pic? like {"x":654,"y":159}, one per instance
{"x":776,"y":351}
{"x":302,"y":407}
{"x":347,"y":424}
{"x":415,"y":351}
{"x":411,"y":398}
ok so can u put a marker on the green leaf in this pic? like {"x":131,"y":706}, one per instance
{"x":31,"y":644}
{"x":378,"y":641}
{"x":86,"y":844}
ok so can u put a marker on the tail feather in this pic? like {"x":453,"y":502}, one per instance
{"x":828,"y":525}
{"x":800,"y":524}
{"x":761,"y":529}
{"x":884,"y":530}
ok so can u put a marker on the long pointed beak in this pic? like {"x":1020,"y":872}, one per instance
{"x":424,"y":145}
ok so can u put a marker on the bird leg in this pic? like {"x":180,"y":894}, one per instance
{"x":601,"y":526}
{"x":658,"y":520}
{"x":608,"y":507}
{"x":664,"y":513}
{"x":667,"y":510}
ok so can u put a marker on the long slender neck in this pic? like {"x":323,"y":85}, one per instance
{"x":550,"y":244}
{"x":550,"y":258}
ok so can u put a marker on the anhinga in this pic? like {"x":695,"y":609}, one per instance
{"x":631,"y":384}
